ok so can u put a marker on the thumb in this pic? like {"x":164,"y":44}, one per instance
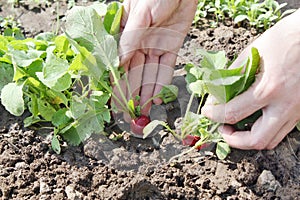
{"x":135,"y":27}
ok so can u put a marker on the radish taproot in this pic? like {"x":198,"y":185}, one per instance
{"x":137,"y":125}
{"x":191,"y":140}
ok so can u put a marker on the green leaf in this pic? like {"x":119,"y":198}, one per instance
{"x":12,"y":98}
{"x":224,"y":89}
{"x":251,"y":69}
{"x":33,"y":105}
{"x":197,"y":72}
{"x":77,"y":108}
{"x":36,"y":66}
{"x":213,"y":60}
{"x":28,"y":121}
{"x":198,"y":87}
{"x":78,"y":64}
{"x":45,"y":36}
{"x":60,"y":119}
{"x":3,"y":45}
{"x":100,"y":98}
{"x":112,"y":18}
{"x":100,"y":8}
{"x":85,"y":26}
{"x":84,"y":128}
{"x":151,"y":126}
{"x":130,"y":105}
{"x":57,"y":97}
{"x":62,"y":44}
{"x":60,"y":84}
{"x":222,"y":150}
{"x":6,"y":74}
{"x":24,"y":59}
{"x":298,"y":126}
{"x":55,"y":73}
{"x":86,"y":61}
{"x":55,"y":144}
{"x":55,"y":67}
{"x":168,"y":93}
{"x":240,"y":18}
{"x":45,"y":109}
{"x":72,"y":136}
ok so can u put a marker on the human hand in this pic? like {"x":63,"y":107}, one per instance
{"x":153,"y":32}
{"x":276,"y":90}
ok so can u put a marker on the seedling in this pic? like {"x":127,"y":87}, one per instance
{"x":255,"y":13}
{"x":65,"y":79}
{"x":213,"y":77}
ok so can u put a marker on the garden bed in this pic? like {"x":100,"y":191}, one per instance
{"x":132,"y":168}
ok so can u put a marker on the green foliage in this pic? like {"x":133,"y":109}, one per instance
{"x":10,"y":27}
{"x":63,"y":79}
{"x":215,"y":78}
{"x":71,"y":3}
{"x":256,"y":13}
{"x":18,"y":2}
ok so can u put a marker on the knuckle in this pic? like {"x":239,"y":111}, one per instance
{"x":231,"y":116}
{"x":267,"y":91}
{"x":258,"y":144}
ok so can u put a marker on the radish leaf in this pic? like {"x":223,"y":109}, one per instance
{"x":12,"y":98}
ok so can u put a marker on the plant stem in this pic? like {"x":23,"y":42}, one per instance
{"x":116,"y":81}
{"x":189,"y":105}
{"x":117,"y":99}
{"x":201,"y":101}
{"x":187,"y":111}
{"x":149,"y":100}
{"x":214,"y":127}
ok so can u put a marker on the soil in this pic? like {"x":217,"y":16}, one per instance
{"x":132,"y":168}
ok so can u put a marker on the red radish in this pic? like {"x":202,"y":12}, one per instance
{"x":191,"y":140}
{"x":137,"y":125}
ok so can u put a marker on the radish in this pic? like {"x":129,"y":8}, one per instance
{"x":191,"y":140}
{"x":137,"y":125}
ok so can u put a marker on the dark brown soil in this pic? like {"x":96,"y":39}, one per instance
{"x":132,"y":168}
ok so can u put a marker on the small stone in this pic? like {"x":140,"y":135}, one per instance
{"x":73,"y":194}
{"x":267,"y":181}
{"x":21,"y":165}
{"x":44,"y":187}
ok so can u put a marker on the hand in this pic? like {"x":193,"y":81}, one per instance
{"x":153,"y":32}
{"x":276,"y":90}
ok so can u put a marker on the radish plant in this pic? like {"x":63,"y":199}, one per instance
{"x":213,"y":77}
{"x":256,"y":13}
{"x":65,"y":79}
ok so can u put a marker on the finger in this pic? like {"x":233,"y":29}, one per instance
{"x":137,"y":23}
{"x":288,"y":127}
{"x":262,"y":132}
{"x":135,"y":74}
{"x":148,"y":83}
{"x":236,"y":109}
{"x":165,"y":73}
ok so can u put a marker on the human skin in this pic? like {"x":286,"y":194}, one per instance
{"x":276,"y":90}
{"x":152,"y":34}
